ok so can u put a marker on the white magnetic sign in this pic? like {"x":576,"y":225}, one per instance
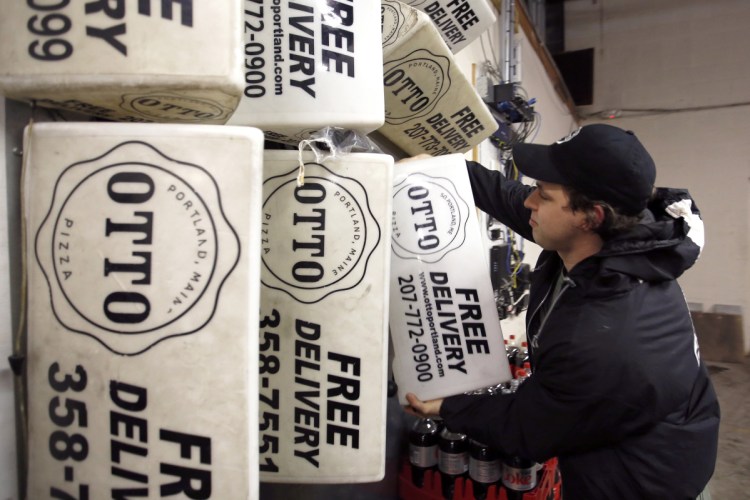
{"x":444,"y":324}
{"x":324,"y":318}
{"x":176,"y":61}
{"x":430,"y":105}
{"x":144,"y":269}
{"x":310,"y":64}
{"x":459,"y":22}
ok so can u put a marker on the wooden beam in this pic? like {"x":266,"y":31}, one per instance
{"x":558,"y":84}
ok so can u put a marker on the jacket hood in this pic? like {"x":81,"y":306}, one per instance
{"x":668,"y":240}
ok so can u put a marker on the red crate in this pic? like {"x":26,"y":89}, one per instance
{"x":549,"y":488}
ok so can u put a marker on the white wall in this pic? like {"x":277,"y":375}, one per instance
{"x":678,"y":54}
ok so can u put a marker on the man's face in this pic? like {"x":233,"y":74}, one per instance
{"x":554,"y":225}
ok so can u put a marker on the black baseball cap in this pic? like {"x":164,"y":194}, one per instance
{"x":603,"y":162}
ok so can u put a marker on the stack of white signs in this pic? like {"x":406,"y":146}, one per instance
{"x":143,"y":268}
{"x":444,"y":324}
{"x":324,"y":318}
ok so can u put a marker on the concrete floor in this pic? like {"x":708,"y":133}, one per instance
{"x":731,"y":479}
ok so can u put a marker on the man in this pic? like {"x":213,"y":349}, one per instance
{"x":618,"y":391}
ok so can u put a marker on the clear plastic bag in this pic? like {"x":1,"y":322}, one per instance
{"x":332,"y":143}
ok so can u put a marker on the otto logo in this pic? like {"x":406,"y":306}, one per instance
{"x":135,"y":248}
{"x":429,"y":218}
{"x":391,"y":18}
{"x":318,"y":237}
{"x":414,"y":85}
{"x":174,"y":108}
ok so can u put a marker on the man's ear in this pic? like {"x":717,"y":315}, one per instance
{"x":597,"y":218}
{"x":593,"y":218}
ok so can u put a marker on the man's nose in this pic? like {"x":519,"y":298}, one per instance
{"x":530,"y":201}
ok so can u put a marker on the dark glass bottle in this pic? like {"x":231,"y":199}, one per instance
{"x":519,"y":476}
{"x":512,"y":352}
{"x":485,"y":468}
{"x":453,"y":459}
{"x":423,"y":448}
{"x":522,"y":357}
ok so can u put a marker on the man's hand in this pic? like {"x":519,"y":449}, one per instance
{"x":424,"y":409}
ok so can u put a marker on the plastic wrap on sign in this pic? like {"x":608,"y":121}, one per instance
{"x":146,"y":61}
{"x":444,"y":324}
{"x":459,"y":22}
{"x":144,"y":277}
{"x":310,"y":64}
{"x":324,"y":318}
{"x":430,"y":105}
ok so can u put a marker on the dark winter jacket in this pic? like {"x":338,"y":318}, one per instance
{"x":618,"y":392}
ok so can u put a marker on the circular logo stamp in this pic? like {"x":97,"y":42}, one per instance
{"x":391,"y":18}
{"x":318,"y":237}
{"x":135,"y":247}
{"x":174,"y":108}
{"x":429,"y":218}
{"x":414,"y":85}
